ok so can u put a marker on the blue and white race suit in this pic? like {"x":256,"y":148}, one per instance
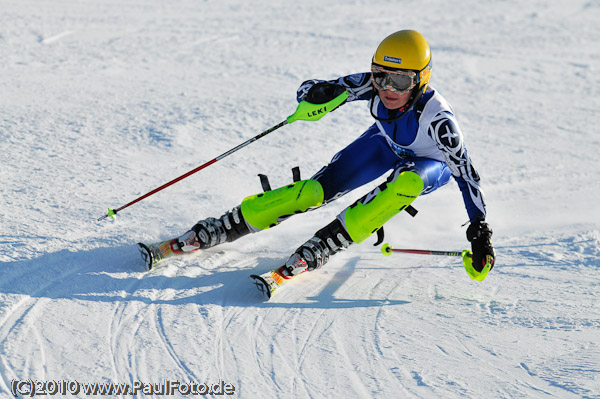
{"x":426,"y":140}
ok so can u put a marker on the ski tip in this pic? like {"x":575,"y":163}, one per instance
{"x":146,"y":254}
{"x":261,"y":285}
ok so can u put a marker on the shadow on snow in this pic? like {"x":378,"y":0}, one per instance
{"x":118,"y":275}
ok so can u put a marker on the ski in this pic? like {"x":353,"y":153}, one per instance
{"x":268,"y":283}
{"x":153,"y":254}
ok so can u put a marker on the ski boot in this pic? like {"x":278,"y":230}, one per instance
{"x":311,"y":255}
{"x":316,"y":252}
{"x":205,"y":234}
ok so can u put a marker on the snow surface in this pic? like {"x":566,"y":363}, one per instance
{"x":102,"y":101}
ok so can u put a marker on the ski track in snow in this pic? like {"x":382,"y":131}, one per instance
{"x":103,"y":102}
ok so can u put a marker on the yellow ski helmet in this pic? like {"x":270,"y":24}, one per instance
{"x":406,"y":50}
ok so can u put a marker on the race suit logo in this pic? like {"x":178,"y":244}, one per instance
{"x":402,"y":152}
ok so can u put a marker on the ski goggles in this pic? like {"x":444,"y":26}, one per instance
{"x":398,"y":80}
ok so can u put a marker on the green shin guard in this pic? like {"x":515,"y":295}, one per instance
{"x":267,"y":209}
{"x":371,"y":212}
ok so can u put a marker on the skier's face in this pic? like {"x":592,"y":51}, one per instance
{"x":393,"y":100}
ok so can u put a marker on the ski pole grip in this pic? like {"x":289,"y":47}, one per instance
{"x":313,"y":112}
{"x":467,"y":257}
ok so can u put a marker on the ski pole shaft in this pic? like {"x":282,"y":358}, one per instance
{"x":386,"y":249}
{"x":467,"y":258}
{"x":112,"y":212}
{"x":305,"y":112}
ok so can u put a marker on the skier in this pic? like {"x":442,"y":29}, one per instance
{"x":415,"y":134}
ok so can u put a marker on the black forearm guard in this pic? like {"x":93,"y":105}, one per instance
{"x":322,"y":92}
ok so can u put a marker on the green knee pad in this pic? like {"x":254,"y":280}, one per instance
{"x":264,"y":210}
{"x":371,"y":212}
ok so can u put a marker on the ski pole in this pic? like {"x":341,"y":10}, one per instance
{"x":305,"y":111}
{"x":387,"y":250}
{"x":467,"y":258}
